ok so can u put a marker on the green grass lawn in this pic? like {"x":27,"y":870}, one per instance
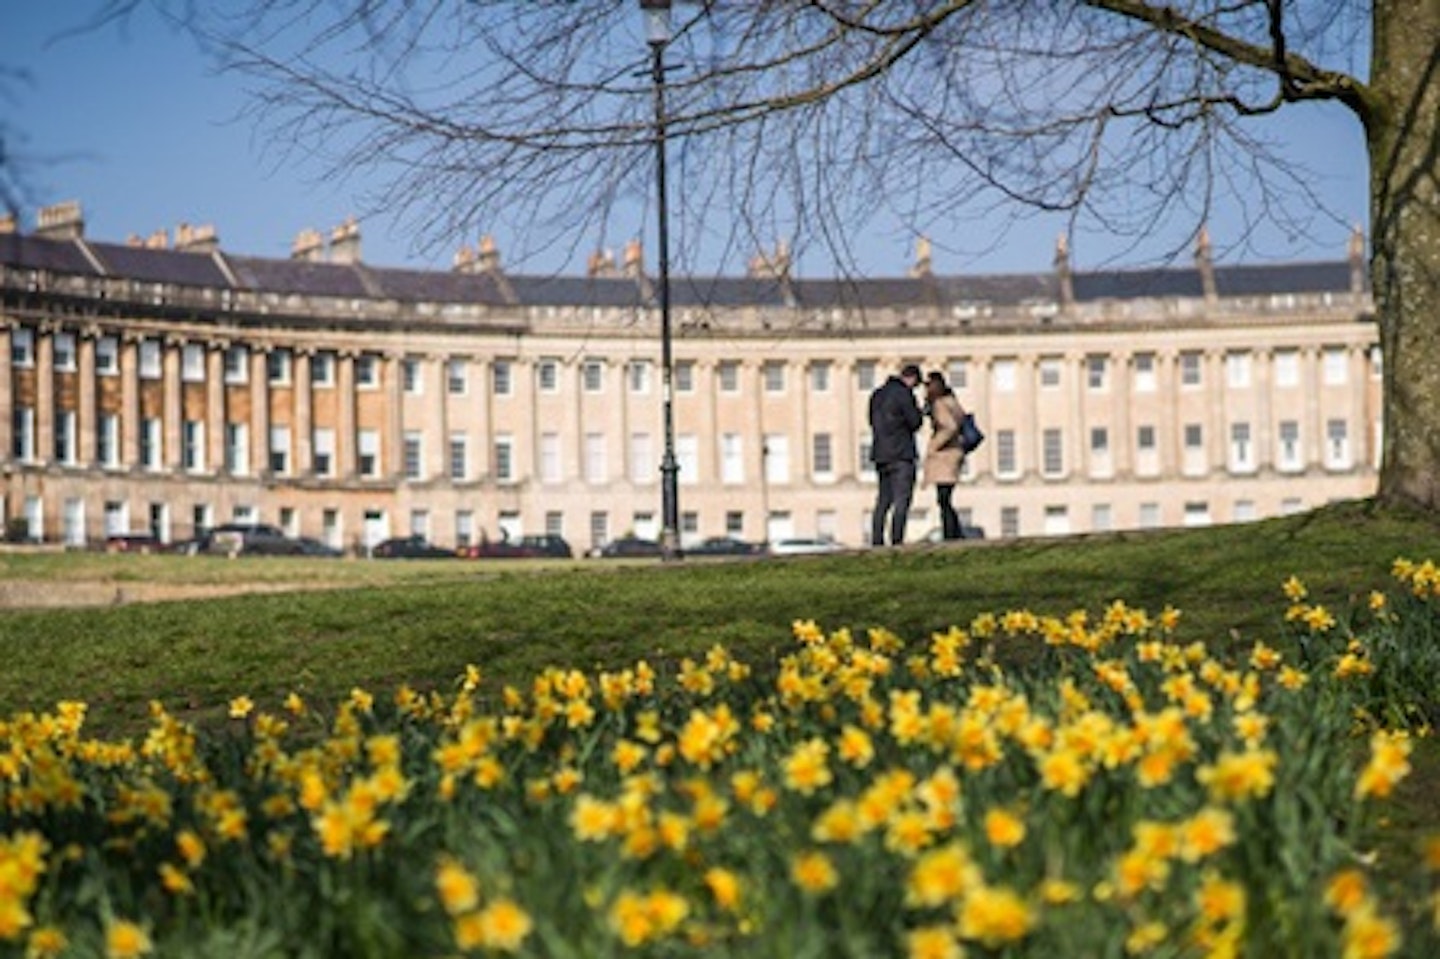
{"x":387,"y":623}
{"x":58,"y":567}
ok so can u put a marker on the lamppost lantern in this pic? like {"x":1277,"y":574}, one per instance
{"x":657,"y":35}
{"x":657,"y":21}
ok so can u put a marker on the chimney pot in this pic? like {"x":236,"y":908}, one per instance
{"x":923,"y":260}
{"x":489,"y":254}
{"x":1356,"y":250}
{"x":309,"y":246}
{"x":1205,"y":264}
{"x":1063,"y":272}
{"x":772,"y":266}
{"x":345,"y":242}
{"x":196,"y":239}
{"x":62,"y":221}
{"x":634,"y":258}
{"x":600,"y":264}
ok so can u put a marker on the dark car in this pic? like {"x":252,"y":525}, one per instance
{"x":133,"y":543}
{"x":492,"y":549}
{"x":543,"y":545}
{"x":313,"y":547}
{"x":250,"y":539}
{"x":410,"y":547}
{"x":189,"y":547}
{"x":629,"y":546}
{"x":546,"y":545}
{"x":724,"y":546}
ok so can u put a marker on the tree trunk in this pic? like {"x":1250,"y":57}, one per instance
{"x":1402,"y":125}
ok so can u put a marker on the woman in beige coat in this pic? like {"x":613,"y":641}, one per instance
{"x":943,"y":455}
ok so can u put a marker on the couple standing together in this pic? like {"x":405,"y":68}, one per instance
{"x":895,"y":417}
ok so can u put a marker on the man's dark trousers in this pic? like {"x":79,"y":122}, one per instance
{"x":897,"y":485}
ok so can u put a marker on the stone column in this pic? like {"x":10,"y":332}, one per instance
{"x":45,"y":394}
{"x":392,"y":444}
{"x":752,"y":384}
{"x":215,"y":418}
{"x":578,"y":412}
{"x":977,"y":376}
{"x":1169,"y":436}
{"x":130,"y":401}
{"x":259,"y":410}
{"x":170,"y":369}
{"x":1122,"y":463}
{"x":707,"y":385}
{"x":86,"y":422}
{"x":1367,"y":401}
{"x":1366,"y":449}
{"x":1079,"y":412}
{"x":1217,"y":388}
{"x":7,"y":396}
{"x":801,"y":370}
{"x":847,"y":442}
{"x":304,"y":428}
{"x":1030,"y":436}
{"x":345,"y":435}
{"x":1264,"y":435}
{"x":437,"y":432}
{"x":621,"y":382}
{"x":1312,"y":430}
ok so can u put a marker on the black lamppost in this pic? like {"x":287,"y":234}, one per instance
{"x":657,"y":34}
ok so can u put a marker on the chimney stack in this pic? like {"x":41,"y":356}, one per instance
{"x":309,"y":246}
{"x":774,"y":266}
{"x":345,"y":242}
{"x":1063,"y":273}
{"x":634,"y":259}
{"x":63,"y":221}
{"x":602,"y":263}
{"x":488,"y":258}
{"x":1356,"y":253}
{"x":159,"y":240}
{"x":922,"y":266}
{"x":1205,"y":264}
{"x":196,"y":239}
{"x":7,"y":223}
{"x":464,"y":260}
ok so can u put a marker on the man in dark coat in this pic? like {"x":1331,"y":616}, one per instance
{"x":894,"y":418}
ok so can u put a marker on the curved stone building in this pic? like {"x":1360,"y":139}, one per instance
{"x":171,"y":386}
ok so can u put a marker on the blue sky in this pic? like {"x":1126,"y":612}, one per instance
{"x":135,"y":124}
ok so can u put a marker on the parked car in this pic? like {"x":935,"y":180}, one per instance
{"x":546,"y":545}
{"x":410,"y":547}
{"x":802,"y":545}
{"x":491,"y":549}
{"x":313,"y":547}
{"x":535,"y":546}
{"x":724,"y":546}
{"x":189,"y":547}
{"x":629,"y":546}
{"x":133,"y":543}
{"x":251,"y":539}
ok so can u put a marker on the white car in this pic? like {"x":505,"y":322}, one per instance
{"x":799,"y":545}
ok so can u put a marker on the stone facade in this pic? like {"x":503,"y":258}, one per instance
{"x":164,"y":387}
